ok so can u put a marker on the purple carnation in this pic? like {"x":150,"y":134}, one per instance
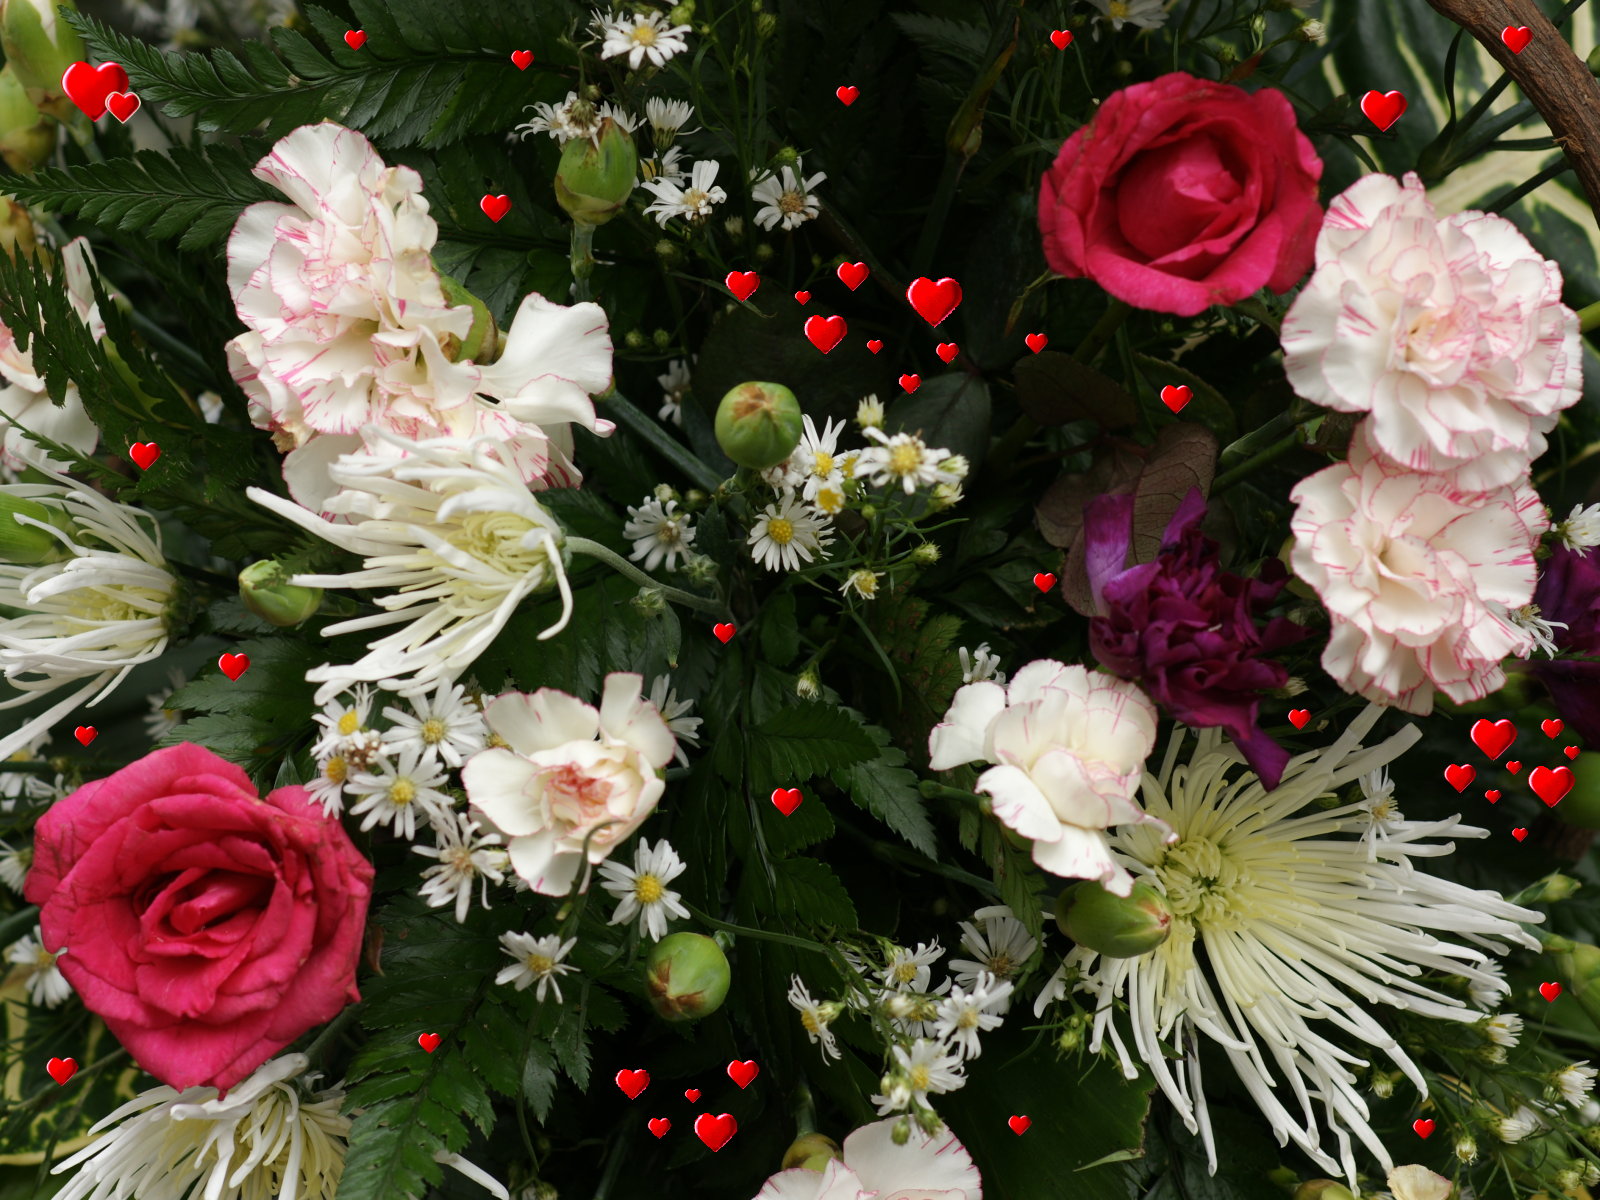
{"x":1185,"y":629}
{"x":1569,"y":592}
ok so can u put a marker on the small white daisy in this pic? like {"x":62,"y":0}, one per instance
{"x":341,"y":718}
{"x":538,"y":960}
{"x":964,"y":1014}
{"x":1502,"y":1029}
{"x":1000,"y":949}
{"x":1574,"y":1082}
{"x":465,"y":857}
{"x":1518,"y":1125}
{"x":14,"y":866}
{"x":394,"y":793}
{"x":903,"y":459}
{"x":980,"y":665}
{"x":641,"y":890}
{"x":693,"y":202}
{"x":816,"y":460}
{"x":668,"y":166}
{"x":667,"y":119}
{"x":674,"y":387}
{"x":675,"y":713}
{"x":1528,"y":619}
{"x":640,"y":36}
{"x":1146,"y":14}
{"x":869,"y":412}
{"x":788,"y":533}
{"x":161,"y":720}
{"x":564,"y":121}
{"x":1377,"y":797}
{"x":1490,"y":987}
{"x":327,"y":789}
{"x":910,"y":970}
{"x":863,"y":583}
{"x":789,"y":201}
{"x":815,"y":1018}
{"x":658,"y":532}
{"x":925,"y":1068}
{"x":1581,"y":530}
{"x":47,"y":986}
{"x":447,"y":724}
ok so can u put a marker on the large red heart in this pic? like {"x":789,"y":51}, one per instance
{"x":122,"y":105}
{"x":144,"y":453}
{"x":1036,"y":342}
{"x":1422,"y":1126}
{"x":1552,"y":727}
{"x":1494,"y":738}
{"x":633,"y":1082}
{"x":826,"y":332}
{"x":852,"y":275}
{"x":1550,"y":786}
{"x":523,"y":59}
{"x":743,"y":1073}
{"x":428,"y":1041}
{"x":62,"y":1069}
{"x":1299,"y":716}
{"x":1044,"y":581}
{"x":355,"y":38}
{"x":786,"y":800}
{"x":495,"y":207}
{"x":715,"y":1131}
{"x":742,"y":284}
{"x":1516,"y":39}
{"x":85,"y":734}
{"x":234,"y":665}
{"x":1020,"y":1125}
{"x":1383,"y":109}
{"x":88,"y":87}
{"x":847,"y":95}
{"x":910,"y":383}
{"x":934,"y":301}
{"x":659,"y":1126}
{"x":1459,"y":775}
{"x":1062,"y":38}
{"x":1176,"y":398}
{"x":1550,"y":991}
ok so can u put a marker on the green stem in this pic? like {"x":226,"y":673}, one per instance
{"x":582,"y":260}
{"x":17,"y":924}
{"x":938,"y":791}
{"x":1506,"y":200}
{"x":322,"y":1045}
{"x":621,"y":565}
{"x":761,"y":935}
{"x":805,"y":1111}
{"x":650,"y":432}
{"x":1589,"y":318}
{"x":1250,"y":466}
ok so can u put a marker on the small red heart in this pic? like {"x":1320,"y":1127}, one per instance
{"x":1459,"y":775}
{"x":1423,"y":1127}
{"x":724,"y":632}
{"x":1036,"y":342}
{"x":716,"y":1131}
{"x":847,"y":97}
{"x":1550,"y":786}
{"x":1517,"y":38}
{"x":826,"y":332}
{"x":1519,"y":833}
{"x":1383,"y":109}
{"x":744,"y":1073}
{"x":742,"y":284}
{"x":1494,"y":738}
{"x":234,"y":665}
{"x":852,"y":275}
{"x":947,"y":351}
{"x":1514,"y":765}
{"x":1552,"y":727}
{"x":875,"y":345}
{"x":85,"y":734}
{"x":1492,"y":795}
{"x":495,"y":207}
{"x":1571,"y":752}
{"x":786,"y":800}
{"x":428,"y":1041}
{"x":355,"y":38}
{"x":691,"y":1095}
{"x":1299,"y":716}
{"x":144,"y":453}
{"x":62,"y":1069}
{"x":88,"y":87}
{"x":910,"y":383}
{"x":802,"y":297}
{"x":633,"y":1082}
{"x":934,"y":301}
{"x":1176,"y":398}
{"x":659,"y":1126}
{"x":1062,"y":38}
{"x":523,"y":59}
{"x":1044,"y":581}
{"x":1020,"y":1125}
{"x":122,"y":105}
{"x":1550,"y":990}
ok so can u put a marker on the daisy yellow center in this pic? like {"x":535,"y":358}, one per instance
{"x":402,"y":791}
{"x":780,"y":530}
{"x":822,"y":464}
{"x":1118,"y":10}
{"x":905,"y":459}
{"x":540,"y":964}
{"x":644,"y":34}
{"x":968,"y":1019}
{"x":670,"y":534}
{"x":919,"y":1077}
{"x":335,"y":769}
{"x":349,"y":723}
{"x":647,"y":889}
{"x":791,"y":203}
{"x":695,"y":199}
{"x":1002,"y":966}
{"x":43,"y":960}
{"x":808,"y":1020}
{"x":460,"y":859}
{"x":905,"y":972}
{"x":830,"y":500}
{"x":433,"y":731}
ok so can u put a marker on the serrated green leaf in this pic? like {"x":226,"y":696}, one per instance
{"x":538,"y":1079}
{"x":809,"y":890}
{"x":802,"y":741}
{"x":780,"y":631}
{"x":885,"y":788}
{"x":1020,"y":885}
{"x":571,"y":1047}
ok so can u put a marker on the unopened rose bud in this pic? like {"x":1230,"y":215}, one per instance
{"x":758,"y":425}
{"x":27,"y":545}
{"x":1116,"y":926}
{"x":27,"y":137}
{"x":1322,"y":1189}
{"x":686,"y":977}
{"x":482,"y":343}
{"x":813,"y":1151}
{"x":265,"y":589}
{"x":39,"y":46}
{"x":597,"y":176}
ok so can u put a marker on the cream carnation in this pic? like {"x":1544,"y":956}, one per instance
{"x":1449,"y":331}
{"x":1418,"y":578}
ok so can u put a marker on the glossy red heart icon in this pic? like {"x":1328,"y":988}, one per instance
{"x":1494,"y":738}
{"x":802,"y":297}
{"x":1383,"y":109}
{"x":85,"y":734}
{"x":1519,"y":833}
{"x":88,"y":87}
{"x":355,"y":38}
{"x":875,"y":345}
{"x":1516,"y":38}
{"x":633,"y":1082}
{"x":1422,"y":1127}
{"x":429,"y":1041}
{"x":234,"y":665}
{"x":724,"y":632}
{"x":910,"y":383}
{"x":1551,"y":786}
{"x":852,"y":275}
{"x":1492,"y":795}
{"x":691,"y":1094}
{"x":1036,"y":342}
{"x":659,"y":1126}
{"x":62,"y":1069}
{"x":1552,"y":727}
{"x":1571,"y":752}
{"x":523,"y":59}
{"x":743,"y":1073}
{"x":1299,"y":716}
{"x":1459,"y":775}
{"x":122,"y":105}
{"x":1176,"y":398}
{"x":786,"y":800}
{"x":742,"y":284}
{"x":1550,"y":990}
{"x":495,"y":207}
{"x":1044,"y":581}
{"x":847,"y":95}
{"x":1061,"y":38}
{"x":947,"y":350}
{"x":1020,"y":1125}
{"x":934,"y":301}
{"x":144,"y":453}
{"x":715,"y":1131}
{"x":826,"y":332}
{"x":1514,"y":765}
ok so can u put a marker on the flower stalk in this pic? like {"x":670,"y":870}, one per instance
{"x":614,"y":560}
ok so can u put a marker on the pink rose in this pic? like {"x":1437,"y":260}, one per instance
{"x":1182,"y":193}
{"x":207,"y":927}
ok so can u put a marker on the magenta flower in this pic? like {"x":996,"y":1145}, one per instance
{"x":1185,"y":629}
{"x":1569,"y":592}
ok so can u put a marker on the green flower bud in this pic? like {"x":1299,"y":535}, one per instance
{"x":1116,"y":926}
{"x":758,"y":424}
{"x":686,"y":977}
{"x":811,"y":1148}
{"x":787,"y":157}
{"x":1466,"y":1149}
{"x":681,"y":14}
{"x":764,"y":252}
{"x":39,"y":47}
{"x":695,"y":500}
{"x":635,"y":339}
{"x":700,"y":570}
{"x":265,"y":589}
{"x":925,"y":554}
{"x":808,"y":686}
{"x":27,"y":137}
{"x":649,"y":602}
{"x":482,"y":344}
{"x":901,"y":1133}
{"x":596,"y":177}
{"x":28,"y":545}
{"x":667,"y":251}
{"x":16,"y":229}
{"x":662,"y":339}
{"x":1322,"y":1189}
{"x":766,"y":25}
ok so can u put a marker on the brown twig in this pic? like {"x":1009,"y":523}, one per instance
{"x":1549,"y":73}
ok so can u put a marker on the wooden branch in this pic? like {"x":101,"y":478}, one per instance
{"x":1549,"y":73}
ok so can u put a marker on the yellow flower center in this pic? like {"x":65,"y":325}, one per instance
{"x":808,"y":1019}
{"x":780,"y":530}
{"x":94,"y":606}
{"x":695,"y":199}
{"x":494,"y":539}
{"x":670,"y":534}
{"x":336,"y":769}
{"x":791,"y":203}
{"x":349,"y":723}
{"x":540,"y":964}
{"x":1117,"y":10}
{"x":402,"y":791}
{"x":919,"y":1077}
{"x":460,"y":858}
{"x":43,"y":960}
{"x":644,"y":34}
{"x":647,"y":889}
{"x":865,"y":583}
{"x":905,"y":458}
{"x":1001,"y":966}
{"x":434,"y":731}
{"x":830,"y":500}
{"x":968,"y":1019}
{"x":905,"y":972}
{"x":1204,"y":885}
{"x":822,"y":464}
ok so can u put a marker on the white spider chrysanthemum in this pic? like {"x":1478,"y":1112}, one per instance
{"x":641,"y":890}
{"x":47,"y":986}
{"x":967,"y":1012}
{"x":466,"y":857}
{"x":538,"y":960}
{"x":672,"y":199}
{"x":455,"y":537}
{"x":1287,"y":928}
{"x":658,"y":533}
{"x":980,"y":665}
{"x":674,"y":387}
{"x":1581,"y":530}
{"x":1002,"y":948}
{"x":447,"y":724}
{"x":397,"y":792}
{"x":675,"y":713}
{"x":640,"y":36}
{"x":91,"y":617}
{"x":786,"y":198}
{"x":815,"y":1018}
{"x":903,"y":460}
{"x":788,"y":533}
{"x":667,"y":119}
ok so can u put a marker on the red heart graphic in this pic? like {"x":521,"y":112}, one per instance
{"x":847,"y":95}
{"x":802,"y":297}
{"x":1550,"y":786}
{"x":947,"y":350}
{"x":715,"y":1131}
{"x":692,"y":1095}
{"x":1459,"y":775}
{"x":934,"y":301}
{"x":1516,"y":39}
{"x":786,"y":800}
{"x":88,"y":87}
{"x":1494,"y":738}
{"x":428,"y":1041}
{"x":1044,"y":581}
{"x":122,"y":105}
{"x":1552,"y":727}
{"x":1062,"y":38}
{"x":355,"y":38}
{"x":144,"y":453}
{"x":1383,"y":109}
{"x":1492,"y":795}
{"x":62,"y":1069}
{"x":85,"y":734}
{"x":523,"y":59}
{"x":1550,"y":990}
{"x":1571,"y":752}
{"x":1423,"y":1127}
{"x":1176,"y":398}
{"x":633,"y":1082}
{"x":1299,"y":716}
{"x":234,"y":665}
{"x":875,"y":345}
{"x":1514,"y":765}
{"x":742,"y":284}
{"x":659,"y":1126}
{"x":826,"y":332}
{"x":743,"y":1073}
{"x":1020,"y":1125}
{"x":724,"y":632}
{"x":852,"y":275}
{"x":495,"y":207}
{"x":910,"y":382}
{"x":1519,"y":833}
{"x":1036,"y":342}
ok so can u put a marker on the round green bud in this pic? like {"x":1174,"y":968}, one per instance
{"x":925,"y":554}
{"x":764,"y":252}
{"x":649,"y":602}
{"x":1116,"y":926}
{"x":39,"y":46}
{"x":482,"y":344}
{"x":27,"y":545}
{"x":635,"y":339}
{"x":27,"y":137}
{"x":786,"y":157}
{"x":686,"y":977}
{"x":596,"y":177}
{"x":901,"y":1133}
{"x":809,"y":1148}
{"x":265,"y":589}
{"x":758,"y":425}
{"x":681,"y":14}
{"x":662,"y":339}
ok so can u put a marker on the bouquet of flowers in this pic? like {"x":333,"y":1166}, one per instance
{"x":778,"y":600}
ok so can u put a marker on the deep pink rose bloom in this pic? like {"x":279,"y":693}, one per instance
{"x":207,"y":927}
{"x":1182,"y":193}
{"x":1569,"y":591}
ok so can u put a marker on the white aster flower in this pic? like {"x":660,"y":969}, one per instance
{"x":788,"y":533}
{"x":693,"y":202}
{"x":343,"y":718}
{"x":1581,"y":530}
{"x":466,"y":856}
{"x":1285,"y":932}
{"x":927,"y":1068}
{"x":396,"y":792}
{"x":14,"y":866}
{"x":863,"y":583}
{"x":1574,"y":1082}
{"x":161,"y":720}
{"x":447,"y":724}
{"x":816,"y":460}
{"x":903,"y":460}
{"x":1502,"y":1029}
{"x":667,"y":165}
{"x":674,"y":387}
{"x":786,"y":197}
{"x":675,"y":713}
{"x":911,"y":970}
{"x":572,"y":118}
{"x":538,"y":960}
{"x":965,"y":1013}
{"x":658,"y":533}
{"x":640,"y":36}
{"x":1518,"y":1125}
{"x":980,"y":665}
{"x":1541,"y":633}
{"x":1490,"y":986}
{"x":47,"y":986}
{"x":1146,"y":14}
{"x":641,"y":890}
{"x":815,"y":1018}
{"x":869,"y":412}
{"x":667,"y":119}
{"x":1000,"y":949}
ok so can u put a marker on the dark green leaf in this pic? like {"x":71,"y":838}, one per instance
{"x":538,"y":1079}
{"x":780,"y":632}
{"x":810,"y":891}
{"x":949,"y":411}
{"x":885,"y":788}
{"x":805,"y":740}
{"x":1055,"y":389}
